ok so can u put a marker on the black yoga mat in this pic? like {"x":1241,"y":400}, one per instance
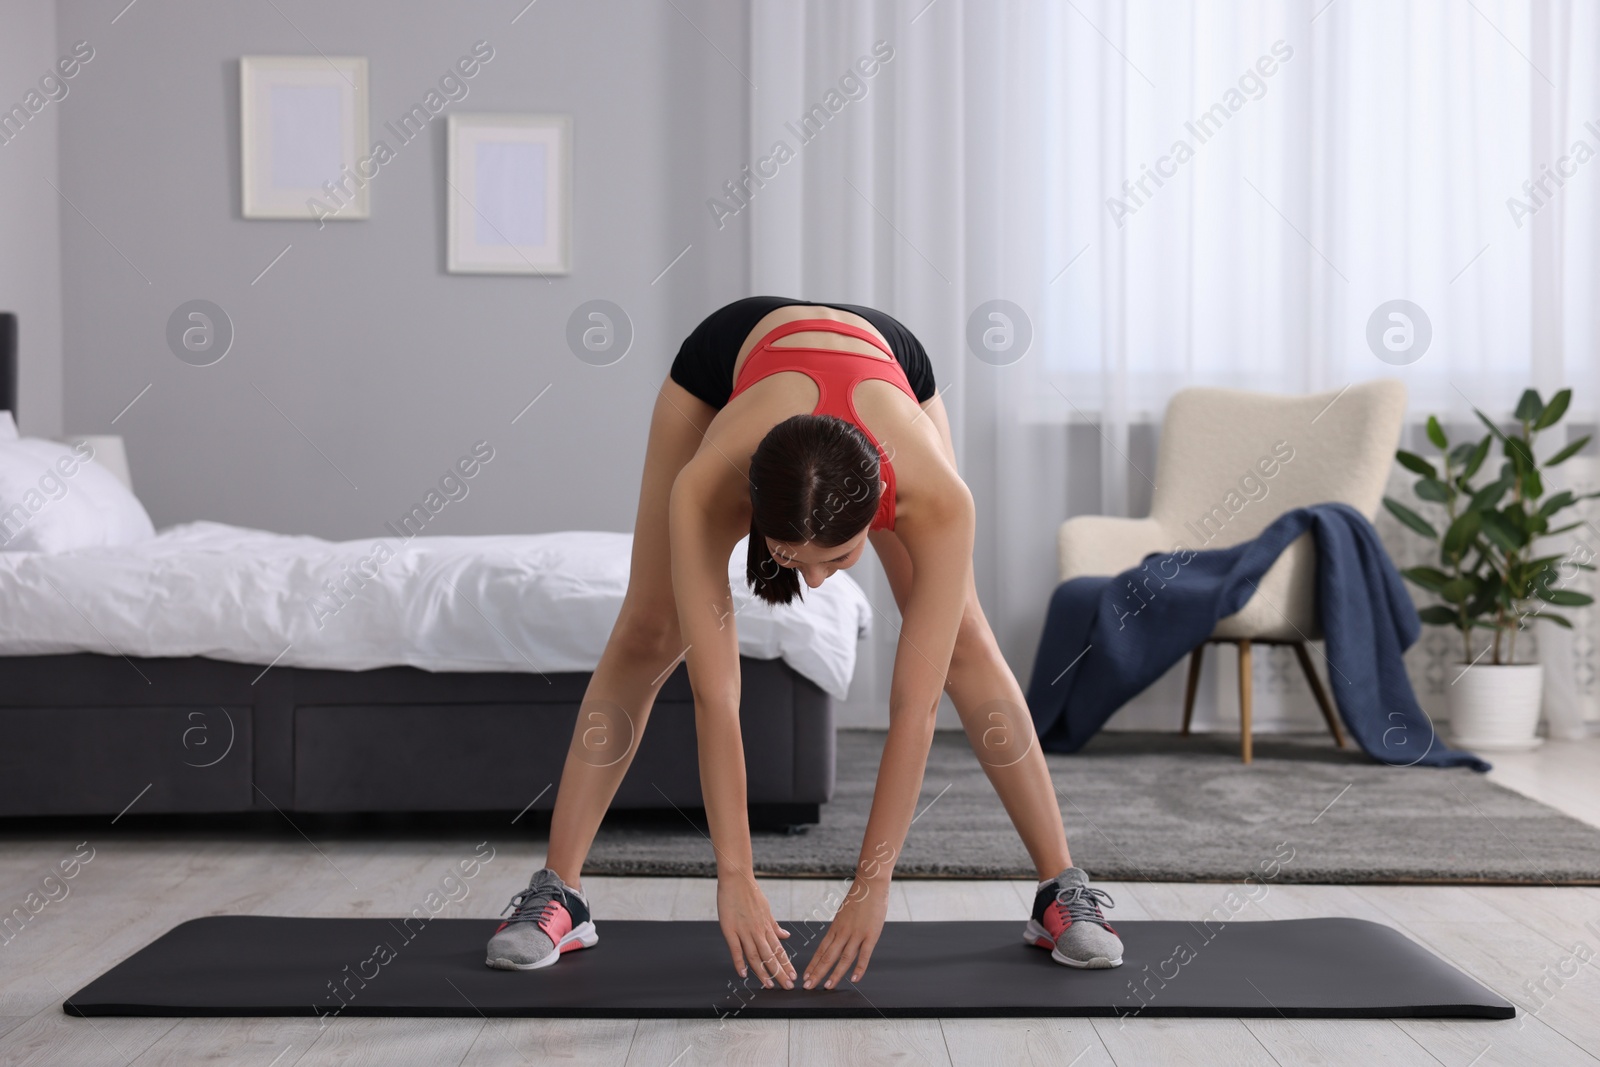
{"x":270,"y":965}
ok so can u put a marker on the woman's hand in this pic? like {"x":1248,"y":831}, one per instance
{"x":852,"y":935}
{"x":754,"y":937}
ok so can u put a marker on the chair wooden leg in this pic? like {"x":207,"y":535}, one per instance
{"x":1318,"y":691}
{"x":1195,"y":659}
{"x":1244,"y":699}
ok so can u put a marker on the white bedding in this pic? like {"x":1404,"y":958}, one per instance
{"x":543,"y":602}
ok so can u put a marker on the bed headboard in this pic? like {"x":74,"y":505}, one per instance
{"x":8,"y":362}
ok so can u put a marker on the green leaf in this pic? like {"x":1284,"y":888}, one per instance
{"x":1438,"y":615}
{"x":1517,"y":452}
{"x":1563,"y":529}
{"x":1515,"y":463}
{"x":1461,"y":454}
{"x":1493,"y":429}
{"x":1457,"y":590}
{"x":1500,"y":531}
{"x":1528,"y":583}
{"x":1430,"y":578}
{"x":1532,"y":484}
{"x":1461,"y":533}
{"x":1489,"y":495}
{"x":1411,"y":518}
{"x":1557,"y":502}
{"x":1529,"y":406}
{"x":1434,"y":490}
{"x":1477,"y":459}
{"x":1413,"y":462}
{"x":1566,"y":598}
{"x":1567,"y":453}
{"x":1559,"y":620}
{"x":1436,"y":434}
{"x":1540,"y":575}
{"x":1484,"y":602}
{"x":1553,"y":412}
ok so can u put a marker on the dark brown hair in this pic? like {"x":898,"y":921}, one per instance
{"x":813,"y":479}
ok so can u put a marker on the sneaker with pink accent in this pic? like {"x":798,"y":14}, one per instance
{"x":550,"y":918}
{"x":1067,"y":920}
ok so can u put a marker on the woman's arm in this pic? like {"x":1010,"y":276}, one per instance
{"x":703,"y":532}
{"x":939,"y":542}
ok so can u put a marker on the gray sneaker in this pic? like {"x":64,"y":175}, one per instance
{"x":1067,"y":920}
{"x":549,"y":918}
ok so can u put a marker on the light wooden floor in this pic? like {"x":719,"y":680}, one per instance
{"x":136,"y":887}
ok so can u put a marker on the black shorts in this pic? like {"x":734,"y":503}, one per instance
{"x":704,"y":364}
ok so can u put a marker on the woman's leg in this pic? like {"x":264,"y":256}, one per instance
{"x":641,"y":651}
{"x":993,"y":710}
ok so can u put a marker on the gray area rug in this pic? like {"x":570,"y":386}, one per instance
{"x":1160,"y":807}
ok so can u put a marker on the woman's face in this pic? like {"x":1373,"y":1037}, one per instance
{"x":814,"y":562}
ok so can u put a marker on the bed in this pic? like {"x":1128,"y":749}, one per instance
{"x":211,"y":668}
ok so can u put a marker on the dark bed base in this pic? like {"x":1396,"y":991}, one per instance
{"x":88,"y":734}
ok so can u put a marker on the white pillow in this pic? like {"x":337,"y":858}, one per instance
{"x":52,"y":499}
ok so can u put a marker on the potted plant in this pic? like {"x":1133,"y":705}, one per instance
{"x":1491,"y":576}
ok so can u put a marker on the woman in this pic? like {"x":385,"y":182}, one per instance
{"x":813,"y":429}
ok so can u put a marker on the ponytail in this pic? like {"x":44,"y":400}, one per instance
{"x":769,"y":580}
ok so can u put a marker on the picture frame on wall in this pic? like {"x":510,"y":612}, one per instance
{"x":302,"y":136}
{"x":509,"y":194}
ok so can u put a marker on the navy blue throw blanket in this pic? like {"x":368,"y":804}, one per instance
{"x":1107,"y":639}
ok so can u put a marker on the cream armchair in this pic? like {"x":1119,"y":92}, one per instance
{"x":1230,"y":462}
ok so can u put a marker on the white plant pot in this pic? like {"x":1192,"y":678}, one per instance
{"x":1496,"y":708}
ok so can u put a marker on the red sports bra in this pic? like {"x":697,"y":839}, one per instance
{"x":836,"y":376}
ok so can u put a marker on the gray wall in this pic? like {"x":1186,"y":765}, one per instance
{"x":356,"y":356}
{"x":30,"y":210}
{"x":386,"y":368}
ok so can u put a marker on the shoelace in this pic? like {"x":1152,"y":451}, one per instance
{"x":534,"y":904}
{"x":1083,"y":902}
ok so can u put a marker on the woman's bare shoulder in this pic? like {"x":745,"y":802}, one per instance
{"x":715,"y":483}
{"x":929,"y":491}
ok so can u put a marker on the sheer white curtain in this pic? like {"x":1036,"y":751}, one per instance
{"x":1171,"y":193}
